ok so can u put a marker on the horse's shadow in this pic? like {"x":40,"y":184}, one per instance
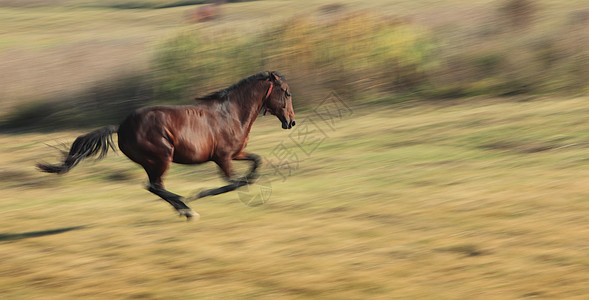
{"x":31,"y":234}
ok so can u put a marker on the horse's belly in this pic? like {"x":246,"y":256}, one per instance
{"x":180,"y":159}
{"x":195,"y":150}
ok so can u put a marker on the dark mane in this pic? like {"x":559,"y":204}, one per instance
{"x":222,"y":94}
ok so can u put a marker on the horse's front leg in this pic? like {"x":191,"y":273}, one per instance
{"x":256,"y":161}
{"x":227,"y":169}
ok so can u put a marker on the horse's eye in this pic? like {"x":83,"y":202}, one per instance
{"x":287,"y":93}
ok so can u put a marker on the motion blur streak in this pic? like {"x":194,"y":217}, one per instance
{"x":457,"y":170}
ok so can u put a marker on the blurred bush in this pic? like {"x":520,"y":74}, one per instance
{"x":352,"y":54}
{"x":362,"y":56}
{"x":513,"y":54}
{"x":518,"y":13}
{"x":105,"y":102}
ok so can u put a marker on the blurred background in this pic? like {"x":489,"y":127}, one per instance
{"x":66,"y":61}
{"x":458,"y":169}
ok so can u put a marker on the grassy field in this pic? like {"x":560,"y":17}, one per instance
{"x":477,"y":199}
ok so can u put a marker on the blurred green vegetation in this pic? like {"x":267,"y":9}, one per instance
{"x":506,"y":48}
{"x":360,"y":54}
{"x":106,"y":101}
{"x":352,"y":54}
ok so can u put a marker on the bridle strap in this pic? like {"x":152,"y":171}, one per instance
{"x":267,"y":96}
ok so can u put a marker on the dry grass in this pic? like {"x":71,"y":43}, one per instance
{"x":470,"y":199}
{"x":52,"y":52}
{"x":466,"y":200}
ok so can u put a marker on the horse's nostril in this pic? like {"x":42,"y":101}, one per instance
{"x":293,"y":123}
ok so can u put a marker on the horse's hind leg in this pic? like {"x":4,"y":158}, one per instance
{"x":156,"y":186}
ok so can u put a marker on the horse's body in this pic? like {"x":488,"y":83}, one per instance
{"x":216,"y":129}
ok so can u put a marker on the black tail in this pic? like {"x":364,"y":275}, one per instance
{"x":94,"y":143}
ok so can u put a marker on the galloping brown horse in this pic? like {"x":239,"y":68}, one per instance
{"x":216,"y":129}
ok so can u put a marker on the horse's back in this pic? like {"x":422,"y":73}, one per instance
{"x":179,"y":132}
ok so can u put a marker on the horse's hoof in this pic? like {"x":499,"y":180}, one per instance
{"x":189,"y":214}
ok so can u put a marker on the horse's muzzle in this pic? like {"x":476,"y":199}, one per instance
{"x":288,"y":125}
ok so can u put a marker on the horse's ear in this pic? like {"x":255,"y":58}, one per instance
{"x":275,"y":76}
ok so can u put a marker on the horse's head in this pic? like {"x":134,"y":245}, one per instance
{"x":279,"y":100}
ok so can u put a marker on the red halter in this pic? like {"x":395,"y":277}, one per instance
{"x":267,"y":96}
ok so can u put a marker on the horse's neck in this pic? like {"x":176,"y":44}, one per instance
{"x":249,"y":107}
